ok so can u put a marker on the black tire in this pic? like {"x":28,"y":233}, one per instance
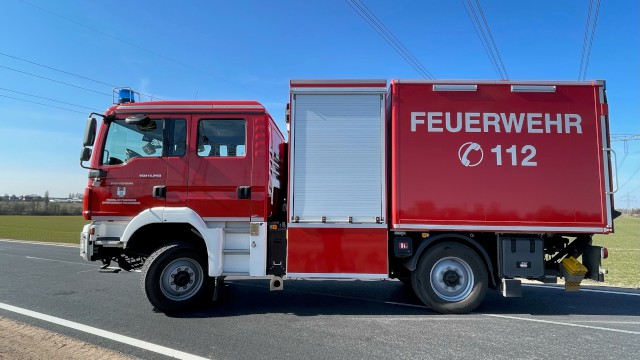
{"x":175,"y":278}
{"x":450,"y":278}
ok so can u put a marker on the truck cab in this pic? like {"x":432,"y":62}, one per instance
{"x":204,"y":175}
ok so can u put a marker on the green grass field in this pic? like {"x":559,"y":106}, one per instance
{"x":60,"y":229}
{"x":623,"y":263}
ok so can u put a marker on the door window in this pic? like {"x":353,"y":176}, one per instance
{"x":155,"y":138}
{"x":222,"y":138}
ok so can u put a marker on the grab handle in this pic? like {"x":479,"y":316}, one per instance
{"x":614,"y":169}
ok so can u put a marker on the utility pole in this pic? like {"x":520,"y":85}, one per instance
{"x":628,"y":199}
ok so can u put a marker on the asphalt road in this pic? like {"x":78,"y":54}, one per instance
{"x":314,"y":319}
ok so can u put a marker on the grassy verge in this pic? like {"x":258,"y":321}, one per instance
{"x":61,"y":229}
{"x":623,"y":263}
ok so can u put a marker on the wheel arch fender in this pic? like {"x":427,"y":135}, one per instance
{"x":412,"y":262}
{"x":212,"y":237}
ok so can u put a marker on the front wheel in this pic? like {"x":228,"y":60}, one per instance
{"x":174,"y":278}
{"x":450,"y":278}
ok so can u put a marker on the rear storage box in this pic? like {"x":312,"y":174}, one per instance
{"x":522,"y":257}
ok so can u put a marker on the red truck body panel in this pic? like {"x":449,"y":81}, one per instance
{"x":346,"y":251}
{"x":504,"y":157}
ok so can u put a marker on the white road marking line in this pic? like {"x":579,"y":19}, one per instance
{"x":103,"y":333}
{"x":86,"y":271}
{"x":583,"y":289}
{"x":608,"y":322}
{"x":417,"y":318}
{"x":62,"y":261}
{"x":41,"y":243}
{"x":610,"y":292}
{"x":563,"y":323}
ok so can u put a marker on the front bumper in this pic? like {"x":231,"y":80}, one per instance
{"x":86,"y":245}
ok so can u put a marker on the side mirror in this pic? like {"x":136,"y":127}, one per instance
{"x":89,"y":132}
{"x":85,"y":155}
{"x":140,"y":119}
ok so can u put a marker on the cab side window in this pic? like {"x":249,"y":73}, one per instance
{"x":127,"y":141}
{"x":222,"y":138}
{"x":153,"y":138}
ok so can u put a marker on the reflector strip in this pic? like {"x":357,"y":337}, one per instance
{"x":446,"y":87}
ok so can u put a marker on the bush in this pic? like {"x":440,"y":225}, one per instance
{"x":39,"y":208}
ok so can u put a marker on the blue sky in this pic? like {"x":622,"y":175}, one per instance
{"x":250,"y":50}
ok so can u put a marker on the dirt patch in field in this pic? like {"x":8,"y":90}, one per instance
{"x":20,"y":341}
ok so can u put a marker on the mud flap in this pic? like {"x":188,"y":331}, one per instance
{"x":511,"y":288}
{"x":592,"y":259}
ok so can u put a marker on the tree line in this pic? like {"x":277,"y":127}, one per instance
{"x":39,"y":205}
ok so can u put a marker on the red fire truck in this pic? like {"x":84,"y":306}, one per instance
{"x":452,"y":187}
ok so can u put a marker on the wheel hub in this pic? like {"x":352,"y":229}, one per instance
{"x":181,"y":279}
{"x":451,"y":278}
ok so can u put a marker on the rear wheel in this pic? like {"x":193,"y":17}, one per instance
{"x":174,"y":278}
{"x":450,"y":278}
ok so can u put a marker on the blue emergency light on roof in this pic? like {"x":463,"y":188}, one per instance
{"x":126,"y":96}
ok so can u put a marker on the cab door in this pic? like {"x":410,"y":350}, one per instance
{"x":140,"y":162}
{"x":220,"y":164}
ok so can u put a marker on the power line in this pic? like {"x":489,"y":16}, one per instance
{"x":53,"y":80}
{"x":72,"y":74}
{"x":52,"y":68}
{"x":57,"y":81}
{"x":107,"y":34}
{"x":593,"y":33}
{"x":493,"y":42}
{"x":397,"y":41}
{"x":44,"y":98}
{"x":586,"y":50}
{"x":622,"y":161}
{"x":35,"y":102}
{"x":634,"y":189}
{"x":170,"y":59}
{"x":629,"y":179}
{"x":584,"y":39}
{"x":376,"y":24}
{"x":482,"y":37}
{"x":629,"y":199}
{"x":490,"y":47}
{"x":625,"y":137}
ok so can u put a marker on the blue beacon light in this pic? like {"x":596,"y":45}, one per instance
{"x":125,"y":96}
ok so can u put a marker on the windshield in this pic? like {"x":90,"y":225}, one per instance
{"x":127,"y":141}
